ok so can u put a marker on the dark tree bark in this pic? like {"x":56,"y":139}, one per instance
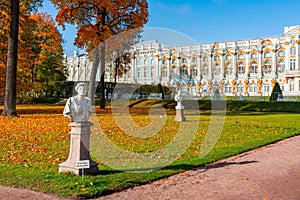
{"x":10,"y":102}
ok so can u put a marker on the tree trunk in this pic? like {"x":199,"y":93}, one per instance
{"x":102,"y":73}
{"x":10,"y":102}
{"x":92,"y":82}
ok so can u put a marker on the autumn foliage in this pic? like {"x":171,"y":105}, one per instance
{"x":39,"y":49}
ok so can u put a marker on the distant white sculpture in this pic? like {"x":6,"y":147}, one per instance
{"x":79,"y":108}
{"x":178,"y":98}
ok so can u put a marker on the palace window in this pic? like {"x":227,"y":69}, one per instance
{"x":217,"y":70}
{"x":241,"y":57}
{"x":253,"y":56}
{"x":267,"y":69}
{"x":139,"y":72}
{"x":145,"y":71}
{"x":281,"y":54}
{"x":205,"y":59}
{"x":254,"y":68}
{"x":193,"y":89}
{"x":281,"y":66}
{"x":194,"y":59}
{"x":195,"y":71}
{"x":164,"y":72}
{"x":241,"y":68}
{"x":240,"y":87}
{"x":266,"y":88}
{"x":164,"y":62}
{"x":292,"y":86}
{"x":253,"y":87}
{"x":228,"y":88}
{"x":152,"y":62}
{"x":152,"y":72}
{"x":292,"y":64}
{"x":267,"y":55}
{"x":228,"y":57}
{"x":229,"y":70}
{"x":184,"y":71}
{"x":174,"y":72}
{"x":293,"y":50}
{"x":206,"y":70}
{"x":183,"y":60}
{"x":216,"y":58}
{"x":174,"y":61}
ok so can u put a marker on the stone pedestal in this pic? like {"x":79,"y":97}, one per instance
{"x":79,"y":149}
{"x":179,"y":113}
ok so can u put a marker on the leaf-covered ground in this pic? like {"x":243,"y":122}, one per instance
{"x":33,"y":144}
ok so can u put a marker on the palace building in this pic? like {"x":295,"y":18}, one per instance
{"x":235,"y":68}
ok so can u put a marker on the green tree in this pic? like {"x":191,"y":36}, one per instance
{"x":276,"y":92}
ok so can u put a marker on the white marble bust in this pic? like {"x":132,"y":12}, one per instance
{"x":79,"y":108}
{"x":178,"y":98}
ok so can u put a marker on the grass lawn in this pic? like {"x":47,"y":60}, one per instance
{"x":32,"y":146}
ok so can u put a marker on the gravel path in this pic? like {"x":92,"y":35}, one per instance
{"x":267,"y":173}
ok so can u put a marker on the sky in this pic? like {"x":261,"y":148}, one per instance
{"x":207,"y":21}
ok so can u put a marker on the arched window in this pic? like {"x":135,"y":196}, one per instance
{"x":145,"y":71}
{"x":152,"y":72}
{"x":229,"y":70}
{"x":253,"y":68}
{"x":164,"y":72}
{"x":152,"y":62}
{"x":206,"y":70}
{"x":266,"y":88}
{"x":193,"y":89}
{"x":267,"y":69}
{"x":281,"y":53}
{"x":216,"y":58}
{"x":164,"y":62}
{"x":267,"y":55}
{"x":293,"y":50}
{"x":228,"y":88}
{"x":194,"y":59}
{"x":253,"y":87}
{"x":205,"y":59}
{"x":174,"y":72}
{"x":241,"y":57}
{"x":184,"y":71}
{"x":281,"y":66}
{"x":139,"y":72}
{"x":241,"y":68}
{"x":240,"y":87}
{"x":253,"y":56}
{"x":217,"y":70}
{"x":195,"y":71}
{"x":228,"y":57}
{"x":183,"y":60}
{"x":174,"y":61}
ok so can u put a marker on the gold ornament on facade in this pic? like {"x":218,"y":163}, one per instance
{"x":259,"y":85}
{"x":273,"y":82}
{"x":246,"y":83}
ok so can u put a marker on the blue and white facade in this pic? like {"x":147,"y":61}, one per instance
{"x":242,"y":67}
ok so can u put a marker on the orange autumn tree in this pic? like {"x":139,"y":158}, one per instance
{"x":40,"y":52}
{"x":12,"y":14}
{"x":98,"y":20}
{"x":47,"y":66}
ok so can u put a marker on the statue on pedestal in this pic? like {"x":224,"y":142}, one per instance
{"x":79,"y":109}
{"x":179,"y":107}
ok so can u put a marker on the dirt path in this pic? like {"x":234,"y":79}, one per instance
{"x":271,"y":172}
